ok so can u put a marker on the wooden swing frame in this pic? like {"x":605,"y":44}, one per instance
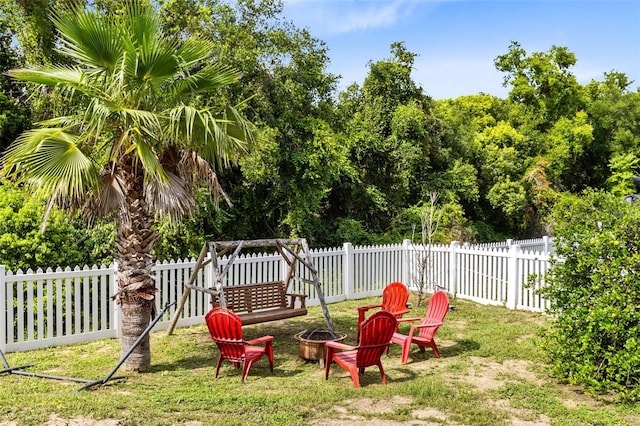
{"x":255,"y":302}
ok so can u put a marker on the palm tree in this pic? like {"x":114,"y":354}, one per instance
{"x":138,"y":142}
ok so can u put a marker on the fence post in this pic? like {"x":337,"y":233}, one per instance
{"x":513,"y":283}
{"x":347,"y":271}
{"x":452,"y":285}
{"x":116,"y":308}
{"x":546,"y":244}
{"x":407,"y":263}
{"x":3,"y":309}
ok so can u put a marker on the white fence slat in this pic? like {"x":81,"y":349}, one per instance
{"x":50,"y":309}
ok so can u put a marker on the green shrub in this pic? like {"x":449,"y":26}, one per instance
{"x":594,"y":291}
{"x":65,"y":242}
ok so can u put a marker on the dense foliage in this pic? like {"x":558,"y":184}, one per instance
{"x":359,"y":164}
{"x":595,"y":293}
{"x":64,"y":242}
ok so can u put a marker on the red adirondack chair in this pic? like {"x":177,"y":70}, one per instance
{"x":394,"y":300}
{"x":436,"y":311}
{"x":225,"y":328}
{"x":374,"y":341}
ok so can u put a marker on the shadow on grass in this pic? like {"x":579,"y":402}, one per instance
{"x":457,"y":349}
{"x":460,"y":347}
{"x":191,"y":362}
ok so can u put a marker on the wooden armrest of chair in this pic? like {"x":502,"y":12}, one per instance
{"x":427,"y":325}
{"x":260,"y":340}
{"x":409,"y":319}
{"x":419,"y":326}
{"x":366,"y":308}
{"x":338,"y":345}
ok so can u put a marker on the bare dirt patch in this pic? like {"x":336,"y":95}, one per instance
{"x":368,"y":405}
{"x":481,"y":373}
{"x":348,"y":413}
{"x":521,"y":417}
{"x":54,"y":420}
{"x":79,"y":421}
{"x":486,"y":374}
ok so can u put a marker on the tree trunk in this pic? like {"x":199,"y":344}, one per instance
{"x":135,"y":318}
{"x":135,"y":239}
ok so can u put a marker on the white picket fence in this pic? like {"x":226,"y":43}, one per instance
{"x":63,"y":306}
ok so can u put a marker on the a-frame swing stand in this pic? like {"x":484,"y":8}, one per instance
{"x":293,"y":251}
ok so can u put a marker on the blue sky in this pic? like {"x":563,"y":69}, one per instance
{"x":458,"y":40}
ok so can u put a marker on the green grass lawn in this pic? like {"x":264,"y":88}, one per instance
{"x":492,"y":372}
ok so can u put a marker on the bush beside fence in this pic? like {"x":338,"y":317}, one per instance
{"x":64,"y":306}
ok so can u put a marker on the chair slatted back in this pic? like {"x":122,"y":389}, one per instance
{"x":394,"y":297}
{"x":436,"y":311}
{"x":225,"y":328}
{"x":375,"y":335}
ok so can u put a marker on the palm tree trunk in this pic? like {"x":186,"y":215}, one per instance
{"x":135,"y":239}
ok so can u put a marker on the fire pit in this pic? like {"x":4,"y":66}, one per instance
{"x":312,"y":343}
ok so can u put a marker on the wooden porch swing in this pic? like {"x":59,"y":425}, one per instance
{"x":255,"y":302}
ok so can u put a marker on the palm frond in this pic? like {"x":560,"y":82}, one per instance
{"x":149,"y":159}
{"x":229,"y":133}
{"x":88,"y":38}
{"x":173,"y":198}
{"x":186,"y":171}
{"x":141,"y":23}
{"x":219,"y":140}
{"x":155,"y":59}
{"x":207,"y":79}
{"x":110,"y":197}
{"x":65,"y":121}
{"x":202,"y":172}
{"x":49,"y":76}
{"x":193,"y":51}
{"x":239,"y":128}
{"x":66,"y":78}
{"x":51,"y":160}
{"x":145,"y":122}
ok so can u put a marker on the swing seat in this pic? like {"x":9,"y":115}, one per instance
{"x":263,"y":302}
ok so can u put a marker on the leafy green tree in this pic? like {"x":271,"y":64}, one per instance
{"x":29,"y":22}
{"x":624,"y":167}
{"x":14,"y":117}
{"x":508,"y":197}
{"x":139,"y":142}
{"x":612,"y":108}
{"x":389,"y":131}
{"x":65,"y":242}
{"x":477,"y":149}
{"x":613,"y":112}
{"x":542,"y":81}
{"x":569,"y":143}
{"x":283,"y":187}
{"x":594,"y":294}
